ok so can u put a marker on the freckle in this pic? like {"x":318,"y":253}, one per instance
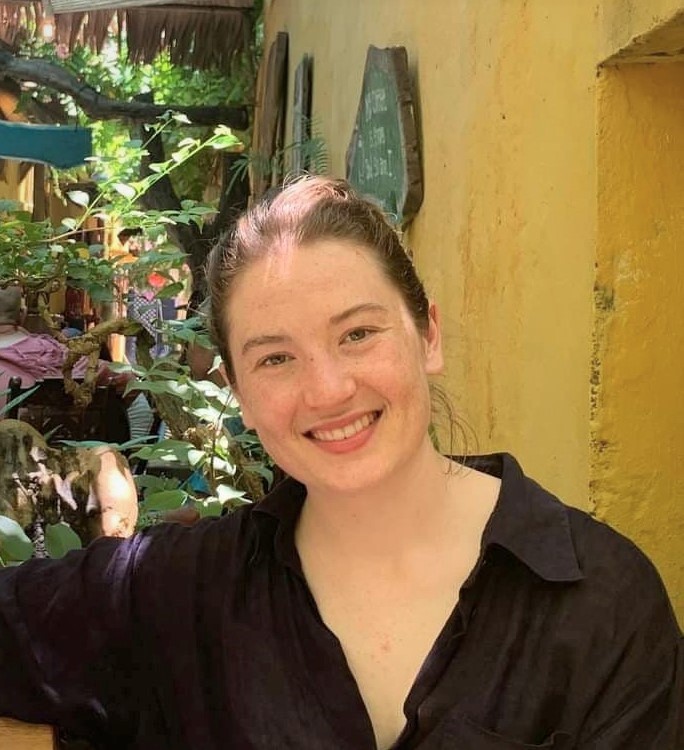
{"x":385,"y":646}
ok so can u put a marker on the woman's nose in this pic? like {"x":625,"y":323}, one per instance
{"x":327,"y":384}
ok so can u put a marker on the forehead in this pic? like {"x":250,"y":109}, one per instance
{"x":320,"y":277}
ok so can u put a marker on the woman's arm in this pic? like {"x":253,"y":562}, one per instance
{"x":66,"y":640}
{"x":641,"y":706}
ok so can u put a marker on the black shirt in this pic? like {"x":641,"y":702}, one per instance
{"x":208,"y":637}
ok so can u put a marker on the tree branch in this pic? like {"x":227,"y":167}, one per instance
{"x":101,"y":107}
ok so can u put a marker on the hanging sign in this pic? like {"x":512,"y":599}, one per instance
{"x":58,"y":145}
{"x":383,"y":158}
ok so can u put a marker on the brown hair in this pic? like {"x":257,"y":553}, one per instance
{"x":310,"y":209}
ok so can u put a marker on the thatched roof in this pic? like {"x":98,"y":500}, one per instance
{"x":199,"y":33}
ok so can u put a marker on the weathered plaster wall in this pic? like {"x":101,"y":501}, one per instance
{"x":639,"y":29}
{"x":638,"y":418}
{"x":506,"y":234}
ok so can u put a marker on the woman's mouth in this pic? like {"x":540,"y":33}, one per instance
{"x":346,"y":432}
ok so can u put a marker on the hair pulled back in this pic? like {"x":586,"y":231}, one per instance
{"x":305,"y":211}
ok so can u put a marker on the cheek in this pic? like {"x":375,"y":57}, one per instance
{"x":400,"y":366}
{"x":266,"y":408}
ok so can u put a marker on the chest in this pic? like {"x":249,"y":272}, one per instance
{"x":279,"y":678}
{"x":386,"y":632}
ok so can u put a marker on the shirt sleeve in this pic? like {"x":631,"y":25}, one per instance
{"x":65,"y":640}
{"x":641,"y":704}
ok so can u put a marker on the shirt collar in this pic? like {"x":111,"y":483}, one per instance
{"x":277,"y":516}
{"x":527,"y":521}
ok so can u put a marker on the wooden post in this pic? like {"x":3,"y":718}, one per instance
{"x":17,"y":735}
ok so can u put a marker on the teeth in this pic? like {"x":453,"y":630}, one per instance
{"x":346,"y":432}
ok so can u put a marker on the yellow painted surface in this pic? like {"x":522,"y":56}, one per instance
{"x":638,"y":419}
{"x":639,"y":28}
{"x":11,"y":188}
{"x":505,"y":237}
{"x":16,"y":735}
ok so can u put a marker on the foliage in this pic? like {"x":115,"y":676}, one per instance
{"x":15,"y":546}
{"x":312,"y":152}
{"x":114,"y":76}
{"x":227,"y":461}
{"x":37,"y":255}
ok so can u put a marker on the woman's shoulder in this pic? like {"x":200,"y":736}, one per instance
{"x":209,"y":534}
{"x":616,"y":574}
{"x":562,"y":543}
{"x":612,"y":562}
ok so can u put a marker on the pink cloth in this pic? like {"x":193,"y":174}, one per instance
{"x":36,"y":357}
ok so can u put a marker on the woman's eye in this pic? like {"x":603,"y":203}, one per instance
{"x":358,"y":334}
{"x":273,"y":360}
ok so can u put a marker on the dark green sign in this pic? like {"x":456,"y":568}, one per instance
{"x":383,"y":159}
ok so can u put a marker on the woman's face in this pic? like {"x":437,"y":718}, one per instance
{"x":329,"y":366}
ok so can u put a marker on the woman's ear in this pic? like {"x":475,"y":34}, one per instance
{"x":434,"y":359}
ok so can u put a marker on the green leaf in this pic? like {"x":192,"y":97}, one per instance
{"x":13,"y":541}
{"x":126,"y":190}
{"x":84,"y":443}
{"x":195,"y":456}
{"x":225,"y":493}
{"x":171,"y":290}
{"x":16,"y":401}
{"x":164,"y":499}
{"x":209,"y":506}
{"x":60,"y":538}
{"x":221,"y":464}
{"x":156,"y":483}
{"x":79,"y":197}
{"x":222,"y":130}
{"x":226,"y":141}
{"x":165,"y":450}
{"x":69,"y":222}
{"x":187,"y":142}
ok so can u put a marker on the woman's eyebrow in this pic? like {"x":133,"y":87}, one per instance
{"x":363,"y":307}
{"x":264,"y":340}
{"x":281,"y":338}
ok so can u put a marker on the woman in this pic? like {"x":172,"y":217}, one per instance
{"x":386,"y":596}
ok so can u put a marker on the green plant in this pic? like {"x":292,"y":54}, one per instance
{"x":228,"y":464}
{"x":312,"y":152}
{"x":111,"y":73}
{"x":15,"y":546}
{"x":37,"y":255}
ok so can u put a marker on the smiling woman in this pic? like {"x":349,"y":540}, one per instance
{"x":343,"y":376}
{"x":383,"y":595}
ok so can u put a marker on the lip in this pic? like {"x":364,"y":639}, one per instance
{"x":342,"y":422}
{"x":346,"y":445}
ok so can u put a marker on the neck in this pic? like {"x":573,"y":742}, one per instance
{"x":405,"y":511}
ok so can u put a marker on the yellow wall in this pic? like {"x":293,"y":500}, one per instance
{"x":12,"y":189}
{"x":638,"y":418}
{"x":517,"y":131}
{"x":506,"y":234}
{"x":639,"y":29}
